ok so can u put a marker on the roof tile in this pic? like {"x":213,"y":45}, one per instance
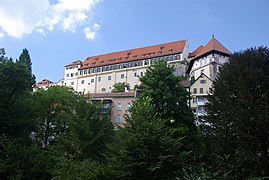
{"x":134,"y":54}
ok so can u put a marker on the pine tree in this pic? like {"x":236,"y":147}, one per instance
{"x":238,"y":116}
{"x":25,"y":57}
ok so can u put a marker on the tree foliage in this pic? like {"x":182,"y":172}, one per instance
{"x":238,"y":116}
{"x":120,"y":87}
{"x":159,"y":139}
{"x":13,"y":92}
{"x":88,"y":132}
{"x":168,"y":95}
{"x":25,"y":58}
{"x":147,"y":147}
{"x":52,"y":110}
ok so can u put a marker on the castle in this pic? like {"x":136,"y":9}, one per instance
{"x":97,"y":74}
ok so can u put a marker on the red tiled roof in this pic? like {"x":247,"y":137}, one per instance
{"x":43,"y":82}
{"x":212,"y":45}
{"x":196,"y":51}
{"x":77,"y":62}
{"x":134,"y":54}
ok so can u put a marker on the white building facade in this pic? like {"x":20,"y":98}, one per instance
{"x":98,"y":74}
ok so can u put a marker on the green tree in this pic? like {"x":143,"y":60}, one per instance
{"x":80,"y":152}
{"x":13,"y":92}
{"x":52,"y":109}
{"x":168,"y":95}
{"x":25,"y":57}
{"x":160,"y":137}
{"x":120,"y":87}
{"x":238,"y":112}
{"x":147,"y":148}
{"x":21,"y":161}
{"x":88,"y":133}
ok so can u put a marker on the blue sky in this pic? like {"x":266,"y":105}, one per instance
{"x":57,"y":32}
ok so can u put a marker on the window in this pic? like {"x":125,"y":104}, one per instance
{"x":146,"y":62}
{"x":99,"y":79}
{"x":203,"y":81}
{"x":141,"y":74}
{"x":109,"y":78}
{"x":152,"y":61}
{"x":194,"y":100}
{"x":72,"y":74}
{"x":201,"y":90}
{"x":106,"y":105}
{"x":72,"y":83}
{"x":194,"y":90}
{"x":103,"y":89}
{"x":122,"y":76}
{"x":92,"y":80}
{"x":80,"y":72}
{"x":82,"y":81}
{"x":128,"y":105}
{"x":119,"y":106}
{"x":67,"y":75}
{"x":76,"y":74}
{"x":135,"y":74}
{"x":202,"y":71}
{"x":118,"y":118}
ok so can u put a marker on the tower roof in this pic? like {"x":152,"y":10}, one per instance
{"x":212,"y":45}
{"x":196,"y":51}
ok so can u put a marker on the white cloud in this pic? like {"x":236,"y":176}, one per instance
{"x":1,"y":34}
{"x":22,"y":17}
{"x":96,"y":26}
{"x":90,"y":35}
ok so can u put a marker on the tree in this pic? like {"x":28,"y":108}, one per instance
{"x":168,"y":95}
{"x":147,"y":148}
{"x":120,"y":87}
{"x":80,"y":152}
{"x":13,"y":92}
{"x":88,"y":132}
{"x":160,"y":138}
{"x":238,"y":116}
{"x":25,"y":58}
{"x":52,"y":109}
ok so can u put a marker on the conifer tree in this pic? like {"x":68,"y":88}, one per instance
{"x":25,"y":57}
{"x":237,"y":133}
